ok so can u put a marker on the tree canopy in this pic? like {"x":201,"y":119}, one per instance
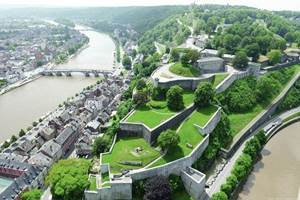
{"x":204,"y":94}
{"x":175,"y":98}
{"x":68,"y":178}
{"x":168,"y":139}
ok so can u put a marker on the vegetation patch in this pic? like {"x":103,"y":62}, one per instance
{"x":184,"y":70}
{"x":248,"y":97}
{"x":189,"y":135}
{"x":93,"y":185}
{"x":132,"y":150}
{"x":218,"y":79}
{"x":156,"y":112}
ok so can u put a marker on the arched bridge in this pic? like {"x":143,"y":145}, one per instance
{"x":69,"y":72}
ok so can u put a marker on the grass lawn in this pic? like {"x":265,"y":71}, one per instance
{"x":124,"y":150}
{"x":93,"y":185}
{"x":186,"y":71}
{"x":188,"y":134}
{"x":156,"y":112}
{"x":219,"y":78}
{"x":240,"y":120}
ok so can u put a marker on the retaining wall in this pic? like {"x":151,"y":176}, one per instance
{"x":188,"y":83}
{"x":194,"y":182}
{"x":258,"y":121}
{"x":150,"y":135}
{"x":211,"y":124}
{"x":281,"y":65}
{"x":174,"y":167}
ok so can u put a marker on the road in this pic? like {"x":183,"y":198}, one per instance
{"x":221,"y":177}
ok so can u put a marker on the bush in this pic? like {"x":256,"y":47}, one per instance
{"x":140,"y":98}
{"x":266,"y":88}
{"x":274,"y":56}
{"x":174,"y":98}
{"x":101,"y":145}
{"x":124,"y":108}
{"x":34,"y":194}
{"x":227,"y":189}
{"x":204,"y":94}
{"x":242,"y":166}
{"x":252,"y":148}
{"x":219,"y":196}
{"x":158,"y":93}
{"x":141,"y":84}
{"x":168,"y":139}
{"x":240,"y":60}
{"x":157,"y":188}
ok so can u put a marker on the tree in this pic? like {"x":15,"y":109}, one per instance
{"x":34,"y":194}
{"x":168,"y":139}
{"x":262,"y":138}
{"x":175,"y":55}
{"x":157,"y":188}
{"x":100,"y":145}
{"x":242,"y":166}
{"x":274,"y":56}
{"x":266,"y":88}
{"x":126,"y":62}
{"x":252,"y":50}
{"x":227,"y":189}
{"x":22,"y":133}
{"x":140,"y":98}
{"x":240,"y":60}
{"x":204,"y":94}
{"x":174,"y":98}
{"x":252,"y":148}
{"x":219,"y":196}
{"x":158,"y":93}
{"x":185,"y":60}
{"x":141,"y":84}
{"x":68,"y":179}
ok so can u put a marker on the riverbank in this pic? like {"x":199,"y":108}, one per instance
{"x":36,"y":75}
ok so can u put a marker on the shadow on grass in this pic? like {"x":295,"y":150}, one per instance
{"x":173,"y":153}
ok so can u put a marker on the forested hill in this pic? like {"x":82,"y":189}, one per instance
{"x":140,"y":18}
{"x":230,"y":29}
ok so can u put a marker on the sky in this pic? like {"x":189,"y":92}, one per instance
{"x":263,"y":4}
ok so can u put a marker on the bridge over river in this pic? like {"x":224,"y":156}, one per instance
{"x":69,"y":72}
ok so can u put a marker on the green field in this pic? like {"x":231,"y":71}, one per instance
{"x":188,"y":134}
{"x":156,"y":112}
{"x":125,"y":150}
{"x":219,"y":78}
{"x":186,"y":71}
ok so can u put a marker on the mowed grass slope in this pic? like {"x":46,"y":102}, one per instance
{"x":186,"y":71}
{"x":188,"y":134}
{"x":156,"y":112}
{"x":124,"y":150}
{"x":219,"y":78}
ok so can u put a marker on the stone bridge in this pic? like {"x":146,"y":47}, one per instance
{"x":69,"y":72}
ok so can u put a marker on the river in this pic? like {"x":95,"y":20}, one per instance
{"x":21,"y":106}
{"x":277,"y":175}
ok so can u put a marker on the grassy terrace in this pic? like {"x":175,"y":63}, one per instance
{"x":188,"y":134}
{"x":156,"y":112}
{"x":186,"y":71}
{"x":238,"y":121}
{"x":93,"y":185}
{"x":219,"y":78}
{"x":125,"y":150}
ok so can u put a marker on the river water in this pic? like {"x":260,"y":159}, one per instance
{"x":277,"y":175}
{"x":21,"y":106}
